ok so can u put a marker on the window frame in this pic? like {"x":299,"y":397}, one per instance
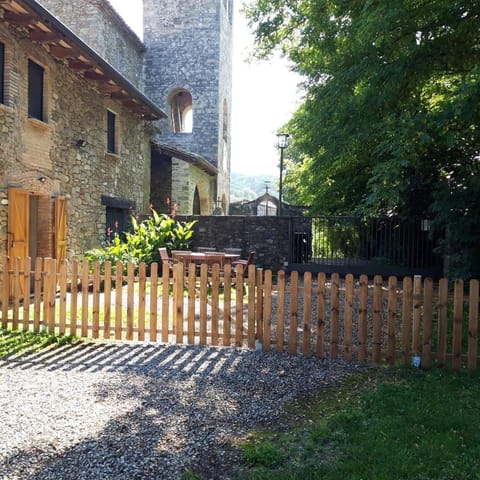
{"x":36,"y":91}
{"x":179,"y":110}
{"x":112,"y":127}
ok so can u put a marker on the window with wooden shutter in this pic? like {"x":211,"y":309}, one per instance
{"x":35,"y":90}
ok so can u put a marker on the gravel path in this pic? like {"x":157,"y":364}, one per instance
{"x":144,"y":411}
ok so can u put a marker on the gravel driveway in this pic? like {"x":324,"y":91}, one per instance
{"x":144,"y":411}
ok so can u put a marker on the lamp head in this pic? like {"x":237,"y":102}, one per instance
{"x":282,"y":139}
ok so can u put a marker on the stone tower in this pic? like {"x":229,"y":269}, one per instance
{"x":188,"y":73}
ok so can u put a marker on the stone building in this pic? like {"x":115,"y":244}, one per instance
{"x":265,"y":205}
{"x":189,"y":75}
{"x":82,"y":145}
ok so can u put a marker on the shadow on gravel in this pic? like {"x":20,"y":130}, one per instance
{"x":192,"y":404}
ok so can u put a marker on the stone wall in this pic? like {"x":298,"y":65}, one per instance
{"x":43,"y":157}
{"x":103,"y":30}
{"x":269,"y":237}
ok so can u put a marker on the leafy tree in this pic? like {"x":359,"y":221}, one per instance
{"x":390,"y":121}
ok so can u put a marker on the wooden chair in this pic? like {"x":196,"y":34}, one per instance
{"x":166,"y":259}
{"x":244,"y":263}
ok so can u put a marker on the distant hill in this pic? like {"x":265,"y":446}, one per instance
{"x":249,"y":187}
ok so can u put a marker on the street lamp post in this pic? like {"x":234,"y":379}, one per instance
{"x":282,"y":142}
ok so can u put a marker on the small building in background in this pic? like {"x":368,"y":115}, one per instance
{"x":265,"y":205}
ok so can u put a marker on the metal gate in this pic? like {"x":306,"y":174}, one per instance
{"x":363,"y":245}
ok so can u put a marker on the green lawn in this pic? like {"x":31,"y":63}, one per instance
{"x":406,"y":424}
{"x":15,"y":342}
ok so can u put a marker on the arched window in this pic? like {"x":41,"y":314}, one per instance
{"x":196,"y":202}
{"x":181,"y":111}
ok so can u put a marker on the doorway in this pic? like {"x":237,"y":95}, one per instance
{"x":36,"y":225}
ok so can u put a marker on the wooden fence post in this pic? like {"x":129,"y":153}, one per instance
{"x":152,"y":328}
{"x":457,"y":324}
{"x":46,"y":291}
{"x":473,"y":325}
{"x":96,"y":300}
{"x":118,"y":300}
{"x":293,"y":322}
{"x":227,"y":305}
{"x":362,"y":319}
{"x":307,"y":313}
{"x":107,"y":296}
{"x":417,"y":314}
{"x":215,"y":300}
{"x":166,"y":302}
{"x":178,"y":284}
{"x":335,"y":313}
{"x":130,"y":292}
{"x":16,"y":292}
{"x":251,"y":334}
{"x":203,"y":304}
{"x":142,"y":280}
{"x":239,"y":306}
{"x":5,"y":293}
{"x":63,"y":297}
{"x":407,"y":311}
{"x":281,"y":310}
{"x":85,"y":288}
{"x":348,"y":318}
{"x":27,"y":282}
{"x":267,"y":311}
{"x":321,"y":310}
{"x":427,"y":322}
{"x":392,"y":320}
{"x":442,"y":321}
{"x":259,"y":306}
{"x":73,"y":295}
{"x":377,"y":319}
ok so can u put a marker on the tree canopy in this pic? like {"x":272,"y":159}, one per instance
{"x":390,"y":120}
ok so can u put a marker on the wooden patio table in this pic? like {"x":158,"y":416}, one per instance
{"x":200,"y":257}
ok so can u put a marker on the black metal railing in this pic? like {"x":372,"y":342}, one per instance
{"x":360,"y":241}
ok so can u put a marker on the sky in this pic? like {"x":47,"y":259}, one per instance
{"x":265,"y":95}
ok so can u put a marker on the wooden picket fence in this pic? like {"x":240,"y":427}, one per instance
{"x":354,"y":319}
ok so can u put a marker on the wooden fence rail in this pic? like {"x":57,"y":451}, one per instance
{"x":354,"y":319}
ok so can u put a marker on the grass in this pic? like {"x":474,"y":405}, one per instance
{"x":15,"y":342}
{"x":409,"y":424}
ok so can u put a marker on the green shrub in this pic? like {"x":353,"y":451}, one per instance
{"x":142,"y":244}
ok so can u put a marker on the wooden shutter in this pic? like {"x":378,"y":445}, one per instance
{"x":18,"y":232}
{"x":60,"y":228}
{"x":18,"y":220}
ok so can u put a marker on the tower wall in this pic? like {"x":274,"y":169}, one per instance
{"x":189,"y":46}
